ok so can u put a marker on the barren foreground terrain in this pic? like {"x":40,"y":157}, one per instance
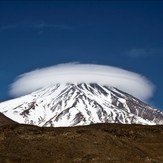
{"x":114,"y":143}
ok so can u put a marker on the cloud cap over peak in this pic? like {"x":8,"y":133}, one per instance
{"x":127,"y":81}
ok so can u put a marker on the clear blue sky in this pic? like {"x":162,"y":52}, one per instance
{"x":124,"y":34}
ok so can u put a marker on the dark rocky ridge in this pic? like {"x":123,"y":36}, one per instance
{"x":5,"y":120}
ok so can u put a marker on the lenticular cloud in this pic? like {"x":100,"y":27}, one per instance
{"x":127,"y":81}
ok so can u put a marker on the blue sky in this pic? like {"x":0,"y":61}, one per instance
{"x":37,"y":34}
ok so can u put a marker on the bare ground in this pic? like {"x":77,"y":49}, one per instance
{"x":100,"y":143}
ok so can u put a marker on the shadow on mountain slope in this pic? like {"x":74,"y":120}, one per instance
{"x":113,"y":143}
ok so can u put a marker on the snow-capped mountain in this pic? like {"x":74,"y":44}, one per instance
{"x":79,"y":104}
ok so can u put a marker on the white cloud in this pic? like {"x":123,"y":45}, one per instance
{"x":137,"y":53}
{"x":127,"y":81}
{"x":40,"y":26}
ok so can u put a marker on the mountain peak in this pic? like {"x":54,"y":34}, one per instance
{"x":74,"y":104}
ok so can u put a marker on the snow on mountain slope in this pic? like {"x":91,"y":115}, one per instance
{"x":79,"y":104}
